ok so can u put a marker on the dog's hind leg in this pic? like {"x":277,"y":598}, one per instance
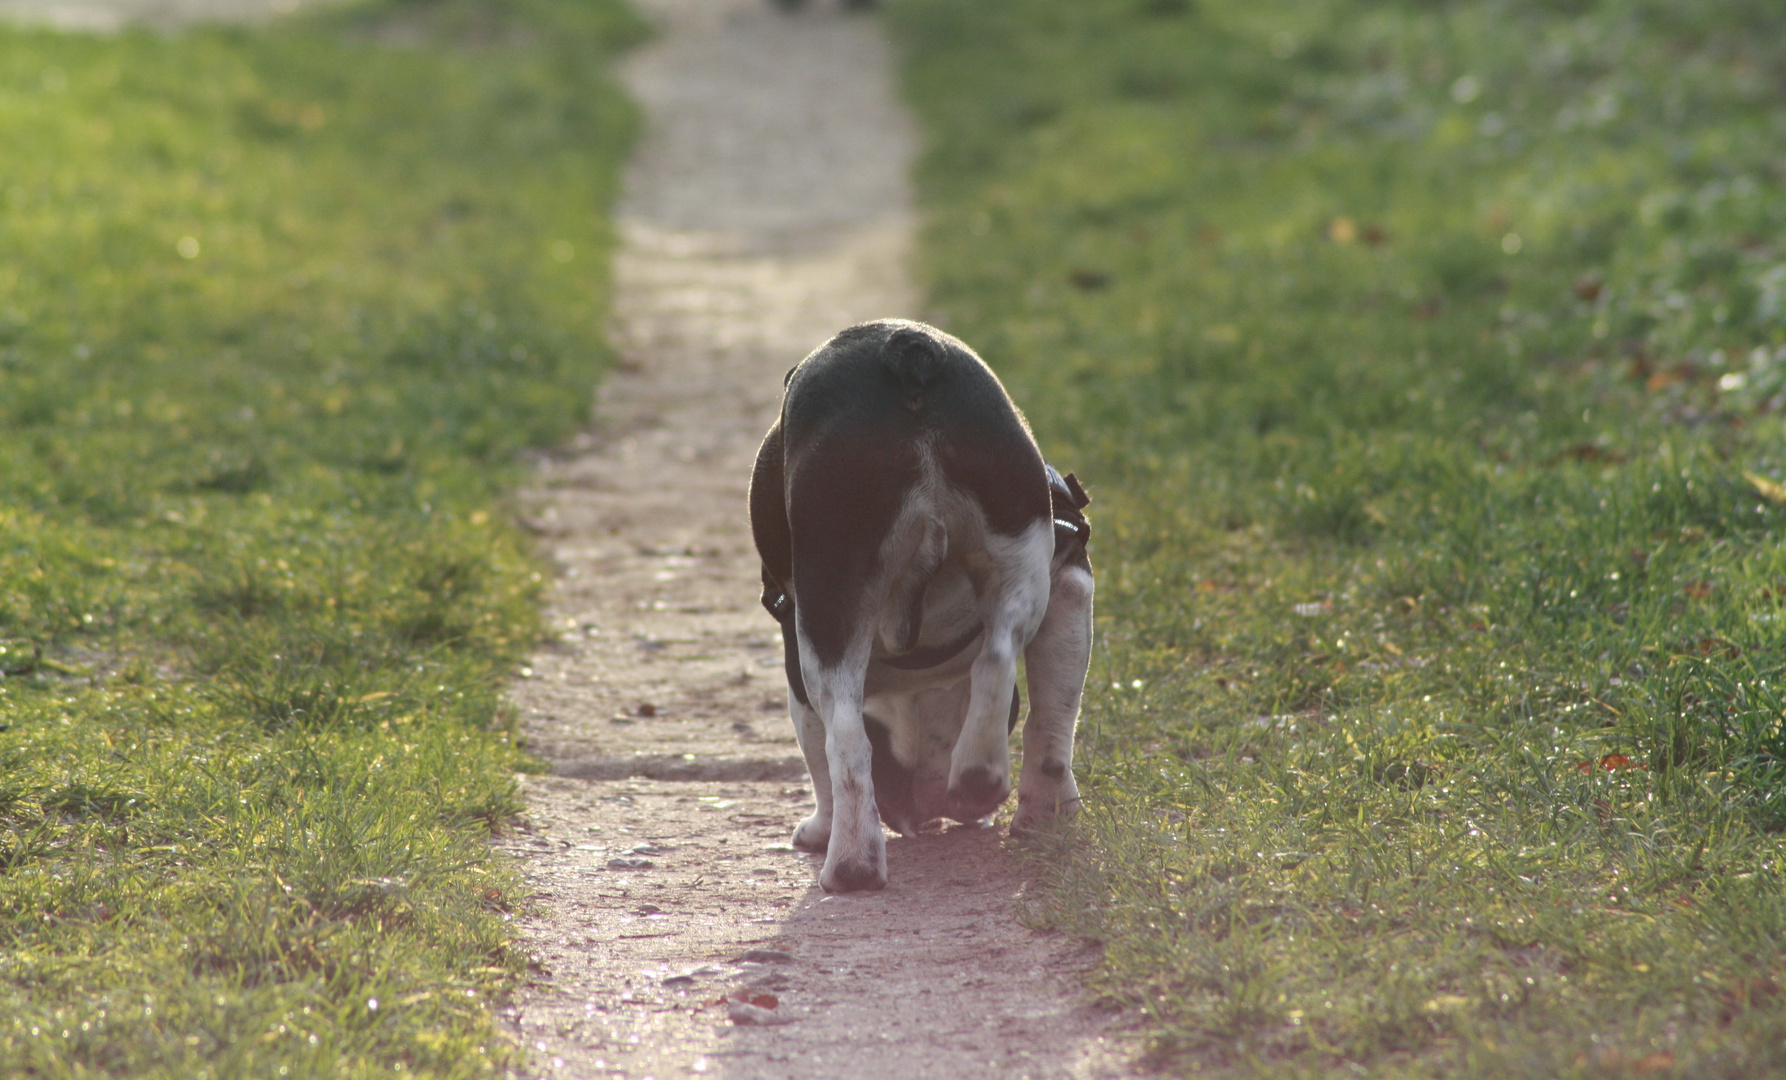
{"x":1012,"y":607}
{"x":814,"y":834}
{"x":856,"y":855}
{"x":1057,"y":660}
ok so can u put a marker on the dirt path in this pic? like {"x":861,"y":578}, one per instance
{"x":767,"y":210}
{"x":108,"y":16}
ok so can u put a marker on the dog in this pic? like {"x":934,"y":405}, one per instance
{"x":914,"y":544}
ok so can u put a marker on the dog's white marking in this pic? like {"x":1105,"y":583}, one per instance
{"x":856,"y":852}
{"x":1056,"y":661}
{"x":1012,"y":605}
{"x":815,"y":832}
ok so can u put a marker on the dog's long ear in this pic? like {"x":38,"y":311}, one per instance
{"x":915,"y":360}
{"x":1080,"y":498}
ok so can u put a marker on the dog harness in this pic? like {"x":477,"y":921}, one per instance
{"x":1068,"y":500}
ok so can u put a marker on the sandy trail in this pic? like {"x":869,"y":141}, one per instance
{"x":109,"y":16}
{"x":767,"y":209}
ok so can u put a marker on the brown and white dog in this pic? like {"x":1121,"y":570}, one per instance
{"x":914,"y":545}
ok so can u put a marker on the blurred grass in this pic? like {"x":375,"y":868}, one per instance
{"x":278,"y":308}
{"x":1426,"y":362}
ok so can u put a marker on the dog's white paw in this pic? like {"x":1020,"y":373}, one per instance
{"x":858,"y":872}
{"x":1040,"y":803}
{"x":814,"y":834}
{"x":1037,"y":813}
{"x":977,"y":791}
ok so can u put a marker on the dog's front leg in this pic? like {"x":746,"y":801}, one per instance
{"x":1057,"y":659}
{"x":856,"y":856}
{"x":980,"y":765}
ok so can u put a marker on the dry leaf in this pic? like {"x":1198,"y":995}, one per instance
{"x":1771,"y":491}
{"x":1610,"y":763}
{"x":1445,"y":1003}
{"x":743,"y":1012}
{"x":1088,"y":280}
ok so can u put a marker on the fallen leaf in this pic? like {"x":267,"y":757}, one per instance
{"x":1610,"y":763}
{"x":1088,"y":280}
{"x":747,"y":1013}
{"x":1585,"y":452}
{"x":1663,"y":378}
{"x":1656,"y":1062}
{"x":1771,"y":491}
{"x":1445,"y":1003}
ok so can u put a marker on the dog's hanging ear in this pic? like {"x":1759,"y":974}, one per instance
{"x":789,"y":377}
{"x":914,"y":358}
{"x":1080,"y":498}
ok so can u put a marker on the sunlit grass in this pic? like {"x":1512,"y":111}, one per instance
{"x":1423,"y":362}
{"x":277,"y":310}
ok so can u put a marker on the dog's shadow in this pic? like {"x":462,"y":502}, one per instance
{"x":946,"y":869}
{"x":935,"y":970}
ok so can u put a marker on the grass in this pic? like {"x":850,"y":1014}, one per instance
{"x":277,"y":310}
{"x":1426,"y":363}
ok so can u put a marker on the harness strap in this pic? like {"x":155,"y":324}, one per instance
{"x":1068,"y":501}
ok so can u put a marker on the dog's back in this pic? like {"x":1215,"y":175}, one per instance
{"x":904,"y":452}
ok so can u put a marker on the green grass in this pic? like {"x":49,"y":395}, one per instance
{"x":277,"y":310}
{"x":1415,"y":355}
